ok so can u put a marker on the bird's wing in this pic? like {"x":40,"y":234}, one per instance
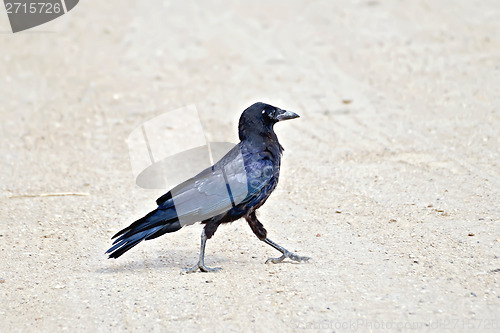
{"x":234,"y":180}
{"x":260,"y":176}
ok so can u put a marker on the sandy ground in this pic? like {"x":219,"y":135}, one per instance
{"x":390,"y":179}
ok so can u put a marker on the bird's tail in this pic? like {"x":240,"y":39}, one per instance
{"x":154,"y":224}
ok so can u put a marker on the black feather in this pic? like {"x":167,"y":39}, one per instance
{"x":232,"y":188}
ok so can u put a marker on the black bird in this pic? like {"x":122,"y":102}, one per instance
{"x":234,"y":187}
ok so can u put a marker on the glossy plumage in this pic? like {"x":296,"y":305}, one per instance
{"x":234,"y":187}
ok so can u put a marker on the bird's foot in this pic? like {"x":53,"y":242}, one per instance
{"x":201,"y":267}
{"x":289,"y":255}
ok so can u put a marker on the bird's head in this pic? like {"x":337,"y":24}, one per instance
{"x":262,"y":117}
{"x":272,"y":114}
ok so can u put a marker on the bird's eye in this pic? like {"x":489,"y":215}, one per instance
{"x":263,"y":111}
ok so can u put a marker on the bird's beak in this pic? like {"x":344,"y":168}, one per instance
{"x":285,"y":115}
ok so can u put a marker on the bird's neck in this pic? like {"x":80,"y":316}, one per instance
{"x":260,"y":135}
{"x":264,"y":141}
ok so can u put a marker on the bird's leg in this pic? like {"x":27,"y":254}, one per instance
{"x":286,"y":253}
{"x":201,"y":261}
{"x":259,"y":231}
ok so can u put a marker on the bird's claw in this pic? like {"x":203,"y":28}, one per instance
{"x":206,"y":269}
{"x":289,"y":255}
{"x":200,"y":267}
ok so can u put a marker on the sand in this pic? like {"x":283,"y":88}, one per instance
{"x":390,"y":179}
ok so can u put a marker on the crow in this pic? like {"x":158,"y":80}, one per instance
{"x":234,"y":187}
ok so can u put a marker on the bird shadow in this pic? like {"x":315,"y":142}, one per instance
{"x":174,"y":259}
